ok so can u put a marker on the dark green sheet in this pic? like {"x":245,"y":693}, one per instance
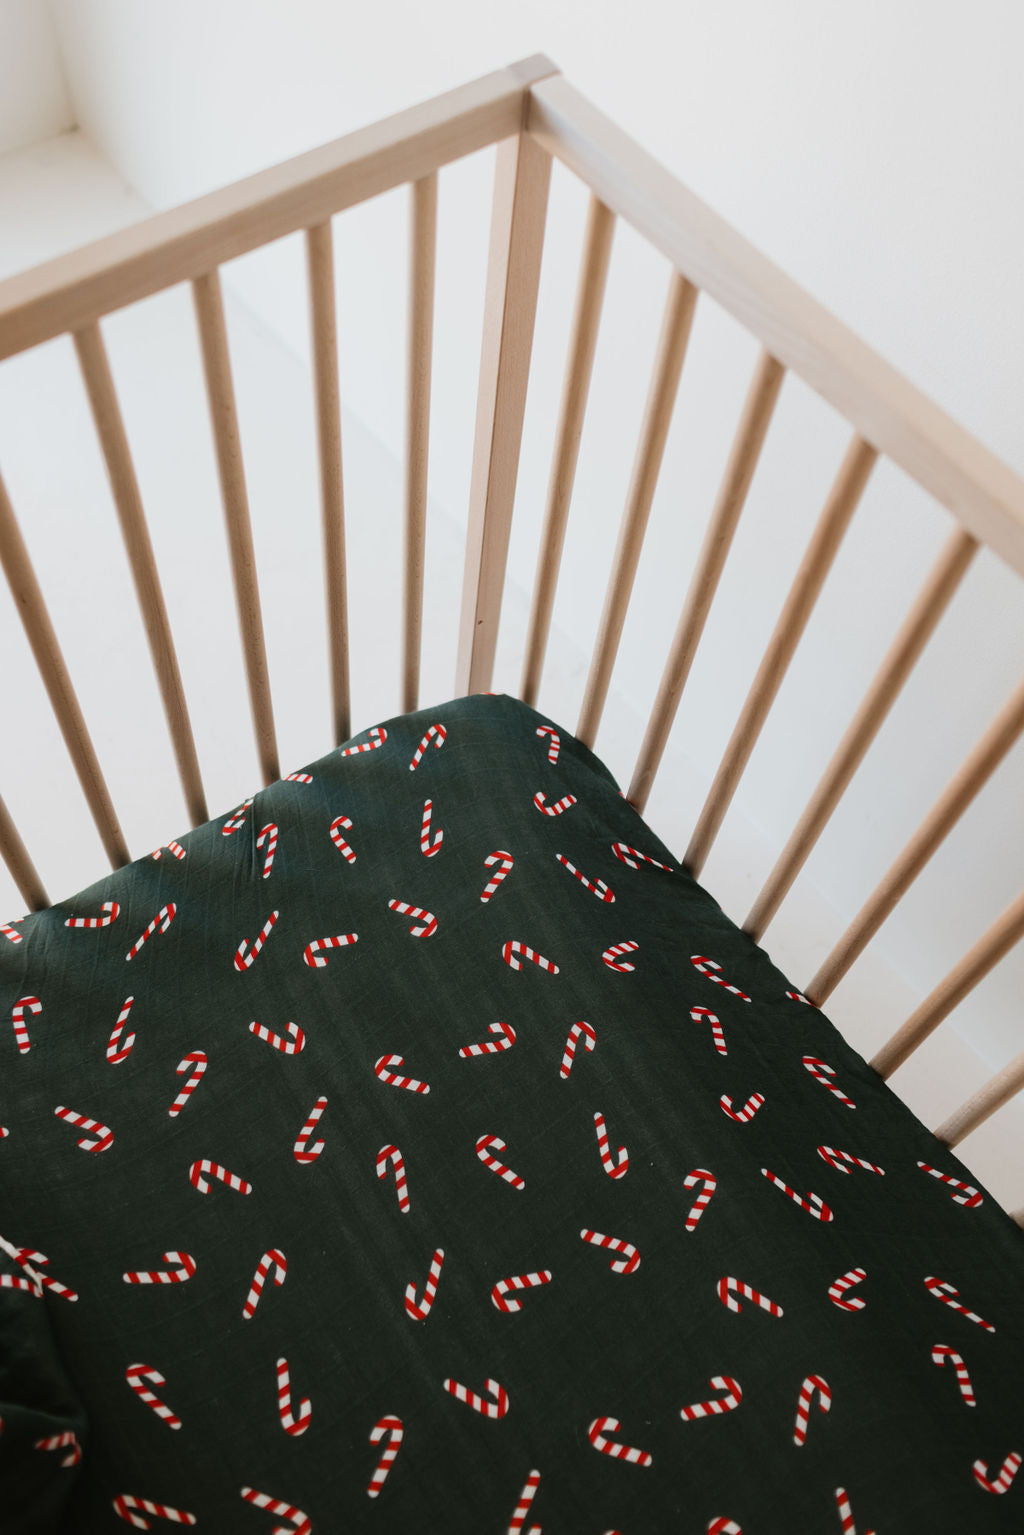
{"x":650,"y":1379}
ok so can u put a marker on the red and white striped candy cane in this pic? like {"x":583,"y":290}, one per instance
{"x":707,"y":967}
{"x":942,"y":1354}
{"x":237,"y":821}
{"x":945,"y":1292}
{"x":301,"y":1523}
{"x":744,"y":1115}
{"x":496,"y":1409}
{"x":836,"y":1159}
{"x":382,"y":1070}
{"x":427,"y":847}
{"x":813,"y":1204}
{"x":435,"y":733}
{"x":171,"y":847}
{"x":116,"y":1051}
{"x":420,"y":1310}
{"x":392,"y":1427}
{"x":600,"y":1441}
{"x":558,"y":808}
{"x":338,"y":840}
{"x":426,"y":919}
{"x":378,"y":735}
{"x":968,"y":1196}
{"x":505,"y":1041}
{"x":21,"y":1039}
{"x":837,"y":1290}
{"x":615,"y":1167}
{"x":505,"y":862}
{"x":111,"y":911}
{"x":728,"y":1285}
{"x":697,"y":1013}
{"x":136,"y":1375}
{"x":127,"y":1501}
{"x":273,"y":1259}
{"x":632,"y":859}
{"x":522,"y":1508}
{"x":724,"y":1526}
{"x":499,"y":1294}
{"x":510,"y":954}
{"x":269,"y":836}
{"x":630,"y":1260}
{"x":291,"y":1423}
{"x":311,"y":953}
{"x":32,"y":1263}
{"x":299,"y":778}
{"x":798,"y":996}
{"x":198,"y":1180}
{"x":302,"y":1151}
{"x":11,"y":933}
{"x":578,"y":1031}
{"x":821,"y":1072}
{"x":554,"y":741}
{"x":733,"y":1396}
{"x":609,"y":956}
{"x":700,"y":1204}
{"x":286,"y":1046}
{"x":392,"y":1154}
{"x":196,"y":1059}
{"x":595,"y":886}
{"x":483,"y":1152}
{"x":102,"y":1138}
{"x":185,"y":1267}
{"x":68,"y":1440}
{"x":243,"y":959}
{"x":163,"y":919}
{"x":1003,"y":1479}
{"x":812,"y":1384}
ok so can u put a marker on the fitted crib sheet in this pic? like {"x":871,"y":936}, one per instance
{"x":419,"y":1147}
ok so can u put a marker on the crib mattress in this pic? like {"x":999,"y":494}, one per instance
{"x":420,"y":1148}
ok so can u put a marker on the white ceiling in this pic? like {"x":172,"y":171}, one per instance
{"x":34,"y":99}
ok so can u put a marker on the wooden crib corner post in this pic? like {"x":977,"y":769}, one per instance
{"x":522,"y":178}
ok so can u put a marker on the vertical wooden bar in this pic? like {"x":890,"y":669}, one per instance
{"x":324,"y":337}
{"x":522,"y":178}
{"x":661,"y":396}
{"x":589,"y":301}
{"x":224,"y":422}
{"x":739,"y":471}
{"x":950,"y":992}
{"x":931,"y":603}
{"x":423,"y":248}
{"x":15,"y":855}
{"x":28,"y":599}
{"x":1006,"y":1084}
{"x":99,"y":384}
{"x":803,"y":594}
{"x":973,"y":774}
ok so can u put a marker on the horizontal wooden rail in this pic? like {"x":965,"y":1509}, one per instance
{"x":1006,"y":1084}
{"x":185,"y":242}
{"x":880,"y":404}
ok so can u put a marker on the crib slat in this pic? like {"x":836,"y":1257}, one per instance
{"x":99,"y":383}
{"x":224,"y":422}
{"x":23,"y":871}
{"x":324,"y":335}
{"x":999,"y":1089}
{"x":972,"y":776}
{"x":661,"y":396}
{"x":423,"y":248}
{"x":739,"y":472}
{"x":917,"y":628}
{"x":522,"y":178}
{"x":590,"y":291}
{"x":950,"y":992}
{"x":28,"y":599}
{"x":817,"y":561}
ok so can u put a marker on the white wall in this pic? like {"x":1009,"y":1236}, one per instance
{"x":876,"y":151}
{"x":34,"y":101}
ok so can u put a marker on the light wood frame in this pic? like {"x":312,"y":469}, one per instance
{"x":533,"y":115}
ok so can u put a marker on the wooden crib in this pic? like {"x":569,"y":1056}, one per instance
{"x":532,"y":114}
